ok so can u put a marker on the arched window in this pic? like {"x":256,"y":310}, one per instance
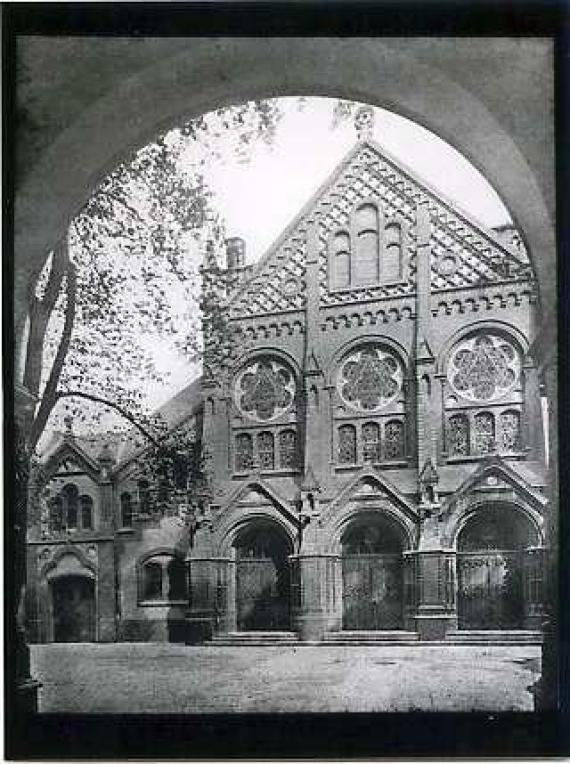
{"x":126,"y":510}
{"x":143,"y":496}
{"x":56,"y":522}
{"x":266,"y":451}
{"x":152,"y":581}
{"x":484,"y":434}
{"x":392,"y":259}
{"x":86,"y":512}
{"x":244,"y":452}
{"x":287,"y":449}
{"x":347,"y":444}
{"x":163,"y":579}
{"x":394,"y":440}
{"x":70,"y":501}
{"x":371,"y":442}
{"x":340,"y":260}
{"x":367,"y":262}
{"x":510,"y":431}
{"x":458,"y":435}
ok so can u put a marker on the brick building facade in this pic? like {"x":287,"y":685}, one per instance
{"x":374,"y":428}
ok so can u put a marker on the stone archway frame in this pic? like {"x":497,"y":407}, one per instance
{"x":233,"y":517}
{"x":465,"y":502}
{"x":400,"y":75}
{"x":349,"y":504}
{"x":55,"y":569}
{"x":500,"y":327}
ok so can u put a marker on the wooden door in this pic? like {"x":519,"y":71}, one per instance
{"x":73,"y":609}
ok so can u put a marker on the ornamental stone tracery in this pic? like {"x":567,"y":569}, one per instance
{"x":264,"y":390}
{"x":369,"y":378}
{"x":484,"y":368}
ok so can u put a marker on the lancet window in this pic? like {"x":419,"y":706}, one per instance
{"x":126,"y":510}
{"x":266,"y":450}
{"x":371,"y":442}
{"x":347,"y":444}
{"x":394,"y":440}
{"x":244,"y":452}
{"x":287,"y":449}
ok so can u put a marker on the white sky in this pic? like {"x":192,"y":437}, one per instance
{"x":259,"y":199}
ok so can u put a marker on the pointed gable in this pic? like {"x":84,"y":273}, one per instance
{"x":464,"y":254}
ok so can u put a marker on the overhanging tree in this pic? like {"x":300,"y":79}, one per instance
{"x":126,"y":276}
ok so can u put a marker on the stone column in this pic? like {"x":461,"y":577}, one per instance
{"x":209,"y":585}
{"x":316,"y":594}
{"x":435,"y":575}
{"x":106,"y":593}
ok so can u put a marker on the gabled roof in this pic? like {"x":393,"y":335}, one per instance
{"x":367,"y":475}
{"x":65,"y":447}
{"x":366,"y":172}
{"x":496,"y":467}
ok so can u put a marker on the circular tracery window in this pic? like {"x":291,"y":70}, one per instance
{"x":369,"y":378}
{"x":484,"y":368}
{"x":264,"y":390}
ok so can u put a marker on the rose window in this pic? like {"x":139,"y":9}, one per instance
{"x":264,"y":390}
{"x":484,"y":368}
{"x":369,"y":379}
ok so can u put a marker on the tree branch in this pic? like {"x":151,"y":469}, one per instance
{"x":115,"y":406}
{"x":39,"y":315}
{"x":49,"y":396}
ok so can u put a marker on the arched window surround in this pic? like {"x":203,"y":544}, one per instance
{"x":161,"y":578}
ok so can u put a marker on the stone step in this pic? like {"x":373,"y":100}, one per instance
{"x":370,"y":637}
{"x":256,"y":638}
{"x":495,"y":636}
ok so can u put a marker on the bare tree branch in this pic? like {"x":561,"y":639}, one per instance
{"x":49,"y":396}
{"x":113,"y":405}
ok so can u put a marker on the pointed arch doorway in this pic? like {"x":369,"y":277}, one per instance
{"x":262,"y":592}
{"x":499,"y":569}
{"x":372,"y":574}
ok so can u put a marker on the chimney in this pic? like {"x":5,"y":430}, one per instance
{"x":235,"y":253}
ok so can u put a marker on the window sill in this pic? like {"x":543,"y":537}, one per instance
{"x":162,"y":603}
{"x":518,"y":455}
{"x":266,"y":473}
{"x":126,"y":530}
{"x":387,"y":465}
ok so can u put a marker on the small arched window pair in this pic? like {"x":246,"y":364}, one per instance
{"x":69,"y":511}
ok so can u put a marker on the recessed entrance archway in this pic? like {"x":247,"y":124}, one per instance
{"x":498,"y":569}
{"x":73,"y":609}
{"x":372,"y":574}
{"x":262,"y":587}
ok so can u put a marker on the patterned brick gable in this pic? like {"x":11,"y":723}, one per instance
{"x":464,"y":254}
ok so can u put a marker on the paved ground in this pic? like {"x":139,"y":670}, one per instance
{"x":165,"y":678}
